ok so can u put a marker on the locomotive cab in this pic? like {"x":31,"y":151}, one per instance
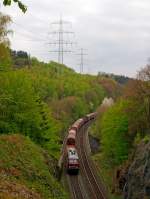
{"x":72,"y":161}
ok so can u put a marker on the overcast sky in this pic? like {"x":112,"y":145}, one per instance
{"x":116,"y":33}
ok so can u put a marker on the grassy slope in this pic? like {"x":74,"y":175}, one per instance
{"x":24,"y":172}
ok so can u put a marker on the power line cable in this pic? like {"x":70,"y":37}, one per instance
{"x":29,"y":38}
{"x":29,"y":32}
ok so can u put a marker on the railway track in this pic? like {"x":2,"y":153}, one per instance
{"x":89,"y":186}
{"x":77,"y":191}
{"x":94,"y":186}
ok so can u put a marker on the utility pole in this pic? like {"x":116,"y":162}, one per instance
{"x":60,"y":42}
{"x":81,"y":54}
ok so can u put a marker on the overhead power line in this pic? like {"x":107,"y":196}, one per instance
{"x":29,"y":33}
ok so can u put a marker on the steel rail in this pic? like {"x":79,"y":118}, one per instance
{"x":95,"y":186}
{"x":91,"y":191}
{"x":76,"y":188}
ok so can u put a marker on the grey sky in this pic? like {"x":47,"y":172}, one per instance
{"x":116,"y":33}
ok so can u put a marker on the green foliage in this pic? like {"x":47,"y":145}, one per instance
{"x":40,"y":102}
{"x":118,"y":78}
{"x":20,"y":4}
{"x":17,"y":103}
{"x":137,"y":139}
{"x":146,"y":139}
{"x":137,"y":92}
{"x":5,"y":59}
{"x":22,"y":111}
{"x":5,"y":20}
{"x":69,"y":95}
{"x":122,"y":127}
{"x":23,"y":162}
{"x":106,"y":173}
{"x":114,"y":128}
{"x":20,"y":59}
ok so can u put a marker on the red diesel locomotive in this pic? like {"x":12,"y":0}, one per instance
{"x":72,"y":156}
{"x":72,"y":160}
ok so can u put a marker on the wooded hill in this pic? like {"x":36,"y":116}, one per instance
{"x":121,"y":128}
{"x":38,"y":103}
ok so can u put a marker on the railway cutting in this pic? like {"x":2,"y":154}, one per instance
{"x":80,"y":172}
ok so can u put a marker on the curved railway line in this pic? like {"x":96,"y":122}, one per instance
{"x":95,"y":189}
{"x":86,"y":185}
{"x":76,"y":188}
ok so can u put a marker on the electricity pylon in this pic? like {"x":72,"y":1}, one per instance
{"x":82,"y":54}
{"x":61,"y":42}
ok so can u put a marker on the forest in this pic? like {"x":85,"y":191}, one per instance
{"x":121,"y":129}
{"x":38,"y":103}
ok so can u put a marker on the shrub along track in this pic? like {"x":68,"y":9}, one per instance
{"x":86,"y":185}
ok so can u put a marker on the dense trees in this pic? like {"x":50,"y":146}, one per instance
{"x":121,"y":127}
{"x":111,"y":86}
{"x":22,"y":111}
{"x":138,"y":92}
{"x":20,"y":59}
{"x":118,"y":78}
{"x":38,"y":101}
{"x":114,"y":128}
{"x":127,"y":119}
{"x":144,"y":76}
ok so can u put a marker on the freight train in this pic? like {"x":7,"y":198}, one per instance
{"x":72,"y":156}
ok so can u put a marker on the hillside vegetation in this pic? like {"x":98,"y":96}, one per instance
{"x":38,"y":103}
{"x":121,"y":128}
{"x":41,"y":103}
{"x":26,"y":171}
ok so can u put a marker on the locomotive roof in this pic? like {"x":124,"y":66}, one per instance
{"x":77,"y":121}
{"x":72,"y":130}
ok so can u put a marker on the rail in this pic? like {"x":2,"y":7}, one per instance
{"x":94,"y":186}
